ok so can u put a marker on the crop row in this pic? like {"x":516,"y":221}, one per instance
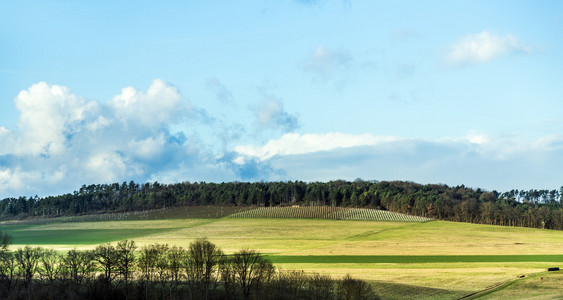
{"x":329,"y":213}
{"x":188,"y":212}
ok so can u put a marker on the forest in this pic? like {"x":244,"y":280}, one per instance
{"x":158,"y":271}
{"x":524,"y":208}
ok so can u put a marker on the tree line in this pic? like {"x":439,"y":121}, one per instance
{"x":158,"y":271}
{"x":526,"y":208}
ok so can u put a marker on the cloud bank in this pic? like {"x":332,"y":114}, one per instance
{"x":293,"y":143}
{"x":490,"y":162}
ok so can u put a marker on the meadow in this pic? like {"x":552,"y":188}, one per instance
{"x":431,"y":259}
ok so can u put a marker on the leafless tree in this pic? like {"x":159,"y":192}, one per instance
{"x":78,"y":265}
{"x":177,"y":261}
{"x":27,"y":259}
{"x":50,"y":265}
{"x":106,"y":256}
{"x":201,"y":271}
{"x":125,"y":261}
{"x":252,"y":270}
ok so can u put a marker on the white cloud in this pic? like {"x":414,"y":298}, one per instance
{"x":477,"y":160}
{"x":477,"y":138}
{"x":100,"y":123}
{"x":63,"y":141}
{"x":293,"y":143}
{"x":483,"y":47}
{"x":4,"y":131}
{"x":109,"y":165}
{"x":506,"y":147}
{"x":6,"y":141}
{"x":17,"y":179}
{"x":160,"y":104}
{"x":149,"y":147}
{"x":7,"y":179}
{"x":49,"y":113}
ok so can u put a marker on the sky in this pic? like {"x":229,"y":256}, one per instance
{"x":448,"y":92}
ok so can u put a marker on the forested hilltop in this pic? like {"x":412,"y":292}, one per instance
{"x":533,"y":208}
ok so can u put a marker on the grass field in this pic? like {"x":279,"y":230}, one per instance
{"x":429,"y":260}
{"x":539,"y":286}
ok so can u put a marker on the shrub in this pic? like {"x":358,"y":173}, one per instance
{"x":355,"y":289}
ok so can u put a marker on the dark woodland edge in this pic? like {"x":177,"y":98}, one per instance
{"x":532,"y":208}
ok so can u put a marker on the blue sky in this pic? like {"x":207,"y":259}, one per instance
{"x":454,"y":92}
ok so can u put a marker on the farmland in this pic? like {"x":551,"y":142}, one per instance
{"x":433,"y":259}
{"x":327,"y":213}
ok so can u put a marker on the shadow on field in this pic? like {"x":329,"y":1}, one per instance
{"x":387,"y":290}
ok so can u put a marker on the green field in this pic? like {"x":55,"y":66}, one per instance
{"x":435,"y":259}
{"x":412,"y":259}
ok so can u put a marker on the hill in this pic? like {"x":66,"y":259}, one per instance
{"x":533,"y":208}
{"x":433,"y":260}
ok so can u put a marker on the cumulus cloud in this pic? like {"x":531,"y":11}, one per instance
{"x":8,"y":180}
{"x":483,"y":47}
{"x":323,"y":62}
{"x":271,"y":114}
{"x":108,"y":165}
{"x":99,"y":124}
{"x":149,"y":147}
{"x":6,"y":141}
{"x":63,"y":141}
{"x":159,"y":105}
{"x":50,"y":114}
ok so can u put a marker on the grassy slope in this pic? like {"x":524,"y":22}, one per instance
{"x":545,"y":285}
{"x":299,"y":237}
{"x":328,"y":212}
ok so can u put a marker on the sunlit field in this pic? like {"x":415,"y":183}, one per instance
{"x":435,"y":259}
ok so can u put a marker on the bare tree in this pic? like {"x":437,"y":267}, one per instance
{"x":288,"y":285}
{"x":228,"y":277}
{"x":106,"y":256}
{"x":27,"y":259}
{"x":203,"y":262}
{"x":78,"y":265}
{"x":252,"y":270}
{"x":163,"y":270}
{"x":50,"y":265}
{"x":125,"y":261}
{"x":7,"y":265}
{"x":5,"y":241}
{"x":177,"y":260}
{"x":149,"y":263}
{"x":320,"y":287}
